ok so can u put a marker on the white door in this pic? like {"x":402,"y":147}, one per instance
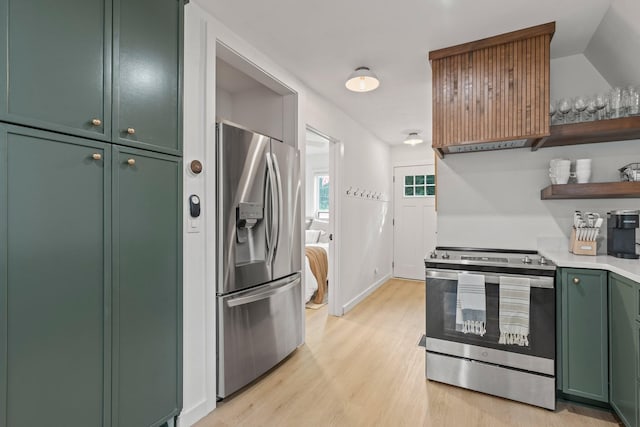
{"x":414,"y":231}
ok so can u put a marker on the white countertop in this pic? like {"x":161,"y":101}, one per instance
{"x":629,"y":268}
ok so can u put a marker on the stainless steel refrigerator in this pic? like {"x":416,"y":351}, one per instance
{"x":259,"y":289}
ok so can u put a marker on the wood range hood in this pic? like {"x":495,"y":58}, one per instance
{"x":493,"y":93}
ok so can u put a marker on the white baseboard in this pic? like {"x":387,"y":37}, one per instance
{"x":190,"y":416}
{"x":362,"y":295}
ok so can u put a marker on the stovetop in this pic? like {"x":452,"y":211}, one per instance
{"x":506,"y":258}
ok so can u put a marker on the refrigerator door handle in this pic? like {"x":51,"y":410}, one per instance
{"x":280,"y":203}
{"x":272,"y":227}
{"x":262,"y":295}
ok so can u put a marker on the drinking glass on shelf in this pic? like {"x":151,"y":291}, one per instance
{"x":615,"y":103}
{"x":564,"y":107}
{"x":579,"y":105}
{"x":552,"y":110}
{"x":601,"y":103}
{"x":633,"y":101}
{"x":592,"y":109}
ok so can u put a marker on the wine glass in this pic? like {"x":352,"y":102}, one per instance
{"x":592,"y":109}
{"x":601,"y":103}
{"x":579,"y":105}
{"x":564,"y":107}
{"x":552,"y":110}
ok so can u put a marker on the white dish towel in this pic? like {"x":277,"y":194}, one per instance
{"x":471,"y":306}
{"x":514,"y":310}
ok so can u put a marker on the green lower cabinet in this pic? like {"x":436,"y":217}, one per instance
{"x":584,"y":331}
{"x":623,"y":348}
{"x":147,"y":277}
{"x":54,"y":253}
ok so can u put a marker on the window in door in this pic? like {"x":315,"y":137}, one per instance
{"x":321,"y":198}
{"x":419,"y":186}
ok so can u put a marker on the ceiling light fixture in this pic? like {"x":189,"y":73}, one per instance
{"x":413,"y":139}
{"x":362,"y":80}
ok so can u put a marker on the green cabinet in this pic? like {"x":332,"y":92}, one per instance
{"x":584,"y":331}
{"x":147,"y":276}
{"x":55,"y":65}
{"x":91,"y":283}
{"x":54,"y":292}
{"x":101,"y":69}
{"x":623,"y":347}
{"x":147,"y":74}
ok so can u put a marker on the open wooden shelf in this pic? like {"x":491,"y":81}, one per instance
{"x":595,"y":190}
{"x":589,"y":132}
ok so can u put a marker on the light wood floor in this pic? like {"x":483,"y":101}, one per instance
{"x":365,"y":369}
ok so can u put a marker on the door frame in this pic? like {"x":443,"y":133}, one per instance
{"x":336,"y":156}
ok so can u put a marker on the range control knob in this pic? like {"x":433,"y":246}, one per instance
{"x":526,"y":259}
{"x":543,"y":260}
{"x":433,"y":254}
{"x":445,"y":256}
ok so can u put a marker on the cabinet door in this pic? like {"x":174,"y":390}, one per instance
{"x":55,"y":65}
{"x":147,"y":58}
{"x":585,"y":364}
{"x":147,"y":280}
{"x":54,"y":249}
{"x":623,"y":347}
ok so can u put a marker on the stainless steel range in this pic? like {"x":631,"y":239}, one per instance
{"x":522,"y":370}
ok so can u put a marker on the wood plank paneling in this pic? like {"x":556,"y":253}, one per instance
{"x":495,"y":93}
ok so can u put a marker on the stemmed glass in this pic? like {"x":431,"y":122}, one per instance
{"x":580,"y":105}
{"x":564,"y":107}
{"x":552,"y":110}
{"x":601,"y":103}
{"x":591,"y":109}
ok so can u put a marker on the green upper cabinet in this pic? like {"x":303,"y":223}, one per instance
{"x":147,"y":70}
{"x":147,"y":279}
{"x":584,"y":323}
{"x":623,"y":347}
{"x":54,"y":253}
{"x":55,"y":65}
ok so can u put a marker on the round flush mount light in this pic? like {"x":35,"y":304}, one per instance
{"x":413,"y":139}
{"x":362,"y":80}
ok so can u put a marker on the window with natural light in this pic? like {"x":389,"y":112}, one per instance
{"x":321,"y":197}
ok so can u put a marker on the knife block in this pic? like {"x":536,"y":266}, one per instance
{"x":581,"y":247}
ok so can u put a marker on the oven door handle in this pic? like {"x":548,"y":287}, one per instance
{"x":546,"y":282}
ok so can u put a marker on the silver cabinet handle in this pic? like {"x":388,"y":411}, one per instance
{"x":96,"y":122}
{"x":96,"y":156}
{"x":131,"y":162}
{"x":576,"y":280}
{"x":131,"y":131}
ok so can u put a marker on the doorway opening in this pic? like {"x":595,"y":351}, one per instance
{"x":321,"y":211}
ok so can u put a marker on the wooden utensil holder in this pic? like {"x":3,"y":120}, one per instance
{"x":581,"y":247}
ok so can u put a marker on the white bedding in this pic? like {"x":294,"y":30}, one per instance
{"x":310,"y":283}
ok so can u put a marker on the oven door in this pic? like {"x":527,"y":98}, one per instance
{"x":442,"y":337}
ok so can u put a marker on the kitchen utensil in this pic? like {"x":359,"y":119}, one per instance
{"x":630,"y":172}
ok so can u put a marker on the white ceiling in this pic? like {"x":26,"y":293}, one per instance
{"x":322,"y":42}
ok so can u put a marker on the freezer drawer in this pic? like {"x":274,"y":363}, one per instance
{"x":257,"y":329}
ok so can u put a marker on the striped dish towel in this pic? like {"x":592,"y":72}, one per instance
{"x":471,"y":306}
{"x":514,"y":310}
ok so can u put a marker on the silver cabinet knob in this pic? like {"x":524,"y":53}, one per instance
{"x":576,"y":280}
{"x":96,"y":122}
{"x":96,"y":156}
{"x":131,"y":131}
{"x":131,"y":162}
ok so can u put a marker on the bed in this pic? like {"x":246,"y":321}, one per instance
{"x":316,"y":265}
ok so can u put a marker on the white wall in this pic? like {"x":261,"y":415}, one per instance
{"x":492,"y":199}
{"x":363,"y":228}
{"x":316,"y":163}
{"x":407,"y":155}
{"x":615,"y":46}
